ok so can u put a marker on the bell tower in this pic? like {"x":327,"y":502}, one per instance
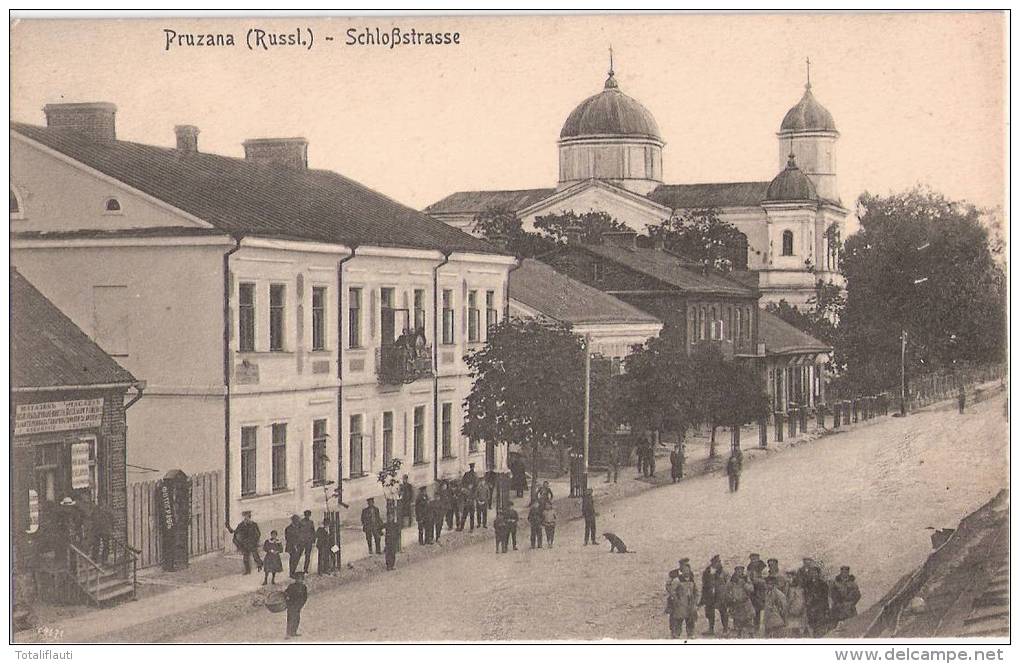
{"x":809,"y":132}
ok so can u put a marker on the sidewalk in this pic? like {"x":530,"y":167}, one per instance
{"x":212,"y":589}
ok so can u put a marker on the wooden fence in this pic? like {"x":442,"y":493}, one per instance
{"x":206,"y":531}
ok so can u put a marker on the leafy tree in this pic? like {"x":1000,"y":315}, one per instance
{"x":592,"y":225}
{"x":528,"y":388}
{"x":700,"y":236}
{"x":500,"y":225}
{"x":921,"y":263}
{"x":730,"y":393}
{"x":817,"y":319}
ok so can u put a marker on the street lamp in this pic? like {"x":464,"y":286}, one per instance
{"x":903,"y":349}
{"x":587,"y":410}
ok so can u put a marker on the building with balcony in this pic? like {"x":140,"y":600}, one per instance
{"x":295,"y":328}
{"x":610,"y":156}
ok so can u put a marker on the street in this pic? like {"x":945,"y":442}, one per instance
{"x":862,"y":498}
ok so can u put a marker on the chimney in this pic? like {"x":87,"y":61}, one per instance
{"x":187,"y":138}
{"x":287,"y":152}
{"x":624,"y":239}
{"x":91,"y":120}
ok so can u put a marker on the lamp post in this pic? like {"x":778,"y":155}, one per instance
{"x":587,"y":410}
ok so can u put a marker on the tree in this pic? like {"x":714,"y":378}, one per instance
{"x":591,"y":224}
{"x":528,"y":388}
{"x":500,"y":225}
{"x":700,"y":236}
{"x":730,"y":394}
{"x":920,"y":263}
{"x":817,"y":319}
{"x":387,"y":478}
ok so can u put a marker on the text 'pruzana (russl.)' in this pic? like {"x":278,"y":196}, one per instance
{"x":258,"y":39}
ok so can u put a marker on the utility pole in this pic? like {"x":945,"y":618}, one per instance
{"x":903,"y":373}
{"x":587,"y":410}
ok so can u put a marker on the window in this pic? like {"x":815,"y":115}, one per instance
{"x":750,"y":321}
{"x":249,"y":441}
{"x":279,"y":457}
{"x":491,"y":315}
{"x":112,"y":205}
{"x":788,"y":243}
{"x":389,"y":316}
{"x":472,"y":446}
{"x":357,"y":454}
{"x":706,"y":332}
{"x":318,"y":318}
{"x":17,"y":210}
{"x":419,"y":311}
{"x":277,"y":300}
{"x":447,"y":429}
{"x":387,"y":437}
{"x":319,"y":456}
{"x":740,"y":325}
{"x":596,"y":271}
{"x":246,"y":317}
{"x":419,"y":434}
{"x":112,"y":319}
{"x":354,"y":318}
{"x":729,"y":323}
{"x":447,"y":316}
{"x":472,"y":316}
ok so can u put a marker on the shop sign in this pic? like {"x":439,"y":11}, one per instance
{"x":166,"y":507}
{"x":33,"y":511}
{"x":58,"y":416}
{"x":81,"y":478}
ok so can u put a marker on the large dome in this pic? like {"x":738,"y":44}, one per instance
{"x":791,"y":185}
{"x":808,"y":115}
{"x":610,"y":113}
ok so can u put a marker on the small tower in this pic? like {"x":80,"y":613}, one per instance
{"x":809,"y":131}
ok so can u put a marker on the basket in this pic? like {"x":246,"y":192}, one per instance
{"x":276,"y":602}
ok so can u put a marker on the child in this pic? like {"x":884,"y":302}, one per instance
{"x":273,"y":547}
{"x":549,"y":522}
{"x":499,"y":525}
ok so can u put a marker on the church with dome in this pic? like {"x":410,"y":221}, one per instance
{"x":610,"y":160}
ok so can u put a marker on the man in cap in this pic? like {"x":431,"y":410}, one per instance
{"x":510,"y":518}
{"x":292,"y":542}
{"x":845,"y":594}
{"x":295,"y":597}
{"x":469,"y":479}
{"x":371,"y":525}
{"x":248,"y":539}
{"x":755,"y":574}
{"x":782,"y":583}
{"x":816,"y":601}
{"x":734,"y":466}
{"x":307,"y":537}
{"x":588,"y":512}
{"x":407,"y":509}
{"x":713,"y":594}
{"x":776,"y":609}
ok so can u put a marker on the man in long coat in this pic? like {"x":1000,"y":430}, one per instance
{"x":845,"y":594}
{"x":295,"y":596}
{"x":713,"y":594}
{"x":423,"y":514}
{"x":248,"y":539}
{"x":371,"y":525}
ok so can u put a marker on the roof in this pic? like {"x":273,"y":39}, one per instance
{"x":710,"y":195}
{"x":791,"y":185}
{"x":610,"y":113}
{"x":49,"y":350}
{"x":473,"y":202}
{"x":567,"y":300}
{"x":668,"y":269}
{"x":781,"y":338}
{"x":244,"y":198}
{"x":808,"y":115}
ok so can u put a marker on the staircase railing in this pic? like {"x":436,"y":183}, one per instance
{"x":125,"y":559}
{"x":85,"y":572}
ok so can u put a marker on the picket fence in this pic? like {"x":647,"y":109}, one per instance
{"x":205,"y":532}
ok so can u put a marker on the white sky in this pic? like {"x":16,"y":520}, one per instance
{"x":916,"y":97}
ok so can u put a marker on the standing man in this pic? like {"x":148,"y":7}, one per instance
{"x":482,"y":504}
{"x":685,"y":599}
{"x":535,"y":521}
{"x":776,"y":608}
{"x":782,"y":583}
{"x":962,"y":398}
{"x":713,"y":594}
{"x":295,"y":596}
{"x":499,"y":526}
{"x":816,"y":601}
{"x":733,"y":469}
{"x":247,"y":539}
{"x":588,"y":512}
{"x":423,"y":515}
{"x":407,"y":506}
{"x":437,"y":512}
{"x":510,"y":518}
{"x":392,"y":542}
{"x":545,"y":492}
{"x":845,"y":595}
{"x":292,"y":543}
{"x":470,"y":478}
{"x":674,"y":464}
{"x":371,"y":525}
{"x":613,"y":467}
{"x":308,"y":537}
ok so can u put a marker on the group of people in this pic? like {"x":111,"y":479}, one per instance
{"x":456,"y":504}
{"x":301,"y":537}
{"x":758,"y":599}
{"x":77,"y":519}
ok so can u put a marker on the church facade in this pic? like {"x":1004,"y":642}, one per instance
{"x":610,"y":160}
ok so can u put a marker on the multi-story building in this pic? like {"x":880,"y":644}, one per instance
{"x":294,"y":326}
{"x":610,"y":160}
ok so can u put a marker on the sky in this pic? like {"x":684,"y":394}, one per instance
{"x":916,"y":97}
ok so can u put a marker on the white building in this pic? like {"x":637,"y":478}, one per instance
{"x":610,"y":156}
{"x":264,"y":302}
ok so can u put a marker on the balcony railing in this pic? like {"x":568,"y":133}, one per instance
{"x":406,"y":360}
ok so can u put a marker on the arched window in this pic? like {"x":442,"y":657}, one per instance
{"x":112,"y":205}
{"x":740,"y":252}
{"x":16,"y":209}
{"x":788,"y":243}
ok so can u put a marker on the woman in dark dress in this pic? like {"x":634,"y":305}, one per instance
{"x":272,"y":564}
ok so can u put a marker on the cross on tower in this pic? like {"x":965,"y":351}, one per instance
{"x":610,"y":59}
{"x":808,"y":72}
